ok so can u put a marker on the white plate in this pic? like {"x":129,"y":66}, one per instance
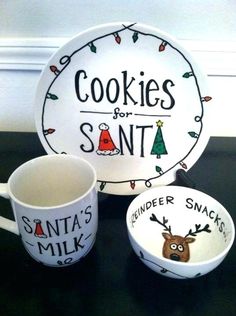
{"x":129,"y":99}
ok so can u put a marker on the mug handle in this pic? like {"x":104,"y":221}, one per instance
{"x":5,"y":223}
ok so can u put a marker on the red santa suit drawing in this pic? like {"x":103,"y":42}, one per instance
{"x":106,"y":145}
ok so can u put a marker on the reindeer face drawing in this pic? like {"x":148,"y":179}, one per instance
{"x":176,"y":247}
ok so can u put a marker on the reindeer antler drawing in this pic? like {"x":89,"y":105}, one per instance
{"x":163,"y":223}
{"x":198,"y":230}
{"x":176,"y":247}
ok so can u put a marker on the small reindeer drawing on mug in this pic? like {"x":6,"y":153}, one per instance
{"x":176,"y":247}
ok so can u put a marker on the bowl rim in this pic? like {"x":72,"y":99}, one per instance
{"x":172,"y":188}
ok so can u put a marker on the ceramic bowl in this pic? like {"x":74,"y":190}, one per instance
{"x":179,"y":232}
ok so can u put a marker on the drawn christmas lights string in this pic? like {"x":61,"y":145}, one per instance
{"x":164,"y":270}
{"x":175,"y":247}
{"x":158,"y":149}
{"x":65,"y":61}
{"x":52,"y":96}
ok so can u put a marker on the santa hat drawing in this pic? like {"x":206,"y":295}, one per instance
{"x":106,"y":145}
{"x":38,"y":232}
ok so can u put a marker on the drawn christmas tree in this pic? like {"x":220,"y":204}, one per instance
{"x":158,"y":147}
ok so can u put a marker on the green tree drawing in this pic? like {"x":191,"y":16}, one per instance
{"x":158,"y":147}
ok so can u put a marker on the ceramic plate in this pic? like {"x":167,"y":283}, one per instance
{"x":129,"y":99}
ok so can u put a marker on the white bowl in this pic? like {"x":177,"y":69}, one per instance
{"x":179,"y":232}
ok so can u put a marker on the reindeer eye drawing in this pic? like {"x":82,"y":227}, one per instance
{"x":180,"y":248}
{"x":173,"y":246}
{"x":176,"y":247}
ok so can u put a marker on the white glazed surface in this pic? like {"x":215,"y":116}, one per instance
{"x":67,"y":234}
{"x":186,"y":209}
{"x":128,"y":98}
{"x":54,"y":201}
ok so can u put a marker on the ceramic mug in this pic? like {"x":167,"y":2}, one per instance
{"x":54,"y":201}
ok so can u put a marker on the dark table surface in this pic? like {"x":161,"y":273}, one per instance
{"x":111,"y":280}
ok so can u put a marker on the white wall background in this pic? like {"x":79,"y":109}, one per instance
{"x":30,"y":31}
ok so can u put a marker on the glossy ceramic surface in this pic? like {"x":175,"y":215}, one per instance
{"x":128,"y":98}
{"x":179,"y":232}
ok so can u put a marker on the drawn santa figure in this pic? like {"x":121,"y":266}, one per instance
{"x":106,"y":145}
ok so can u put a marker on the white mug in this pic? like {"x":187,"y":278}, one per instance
{"x":54,"y":201}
